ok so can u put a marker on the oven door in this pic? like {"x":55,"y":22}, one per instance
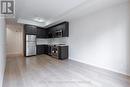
{"x":54,"y":52}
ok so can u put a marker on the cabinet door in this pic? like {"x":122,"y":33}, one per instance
{"x":45,"y":49}
{"x":30,"y":29}
{"x":40,"y":49}
{"x":42,"y":33}
{"x":63,"y":52}
{"x":50,"y":32}
{"x":65,"y":28}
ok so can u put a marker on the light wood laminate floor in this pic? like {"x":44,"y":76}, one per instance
{"x":44,"y":71}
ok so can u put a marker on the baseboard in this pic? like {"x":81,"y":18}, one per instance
{"x":104,"y":71}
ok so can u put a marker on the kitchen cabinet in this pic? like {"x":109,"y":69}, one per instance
{"x":59,"y":30}
{"x":63,"y":52}
{"x":42,"y":49}
{"x":56,"y":31}
{"x":64,"y":28}
{"x":51,"y":33}
{"x":30,"y":29}
{"x":45,"y":49}
{"x":59,"y":51}
{"x":56,"y":51}
{"x":49,"y":50}
{"x":42,"y":33}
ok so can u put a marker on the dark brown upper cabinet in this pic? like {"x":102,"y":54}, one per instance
{"x":42,"y":33}
{"x":56,"y":31}
{"x":59,"y":30}
{"x":30,"y":29}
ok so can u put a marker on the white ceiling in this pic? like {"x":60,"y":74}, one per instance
{"x":46,"y":9}
{"x":54,"y":10}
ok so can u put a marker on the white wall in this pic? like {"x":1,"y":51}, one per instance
{"x":101,"y":39}
{"x":2,"y":49}
{"x":14,"y":39}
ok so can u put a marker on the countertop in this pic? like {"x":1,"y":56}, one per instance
{"x":54,"y":44}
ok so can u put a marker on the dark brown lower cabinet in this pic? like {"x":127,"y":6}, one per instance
{"x":59,"y":52}
{"x":42,"y":49}
{"x":63,"y":52}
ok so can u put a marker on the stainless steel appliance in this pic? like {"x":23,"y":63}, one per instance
{"x":58,"y":33}
{"x":54,"y":51}
{"x":30,"y":45}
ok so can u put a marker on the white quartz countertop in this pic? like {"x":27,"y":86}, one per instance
{"x":54,"y":44}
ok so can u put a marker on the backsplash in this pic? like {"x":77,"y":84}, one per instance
{"x":62,"y":40}
{"x":42,"y":41}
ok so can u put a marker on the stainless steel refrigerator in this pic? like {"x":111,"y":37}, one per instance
{"x":30,"y":45}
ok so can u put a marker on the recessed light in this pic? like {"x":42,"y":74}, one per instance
{"x":37,"y":19}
